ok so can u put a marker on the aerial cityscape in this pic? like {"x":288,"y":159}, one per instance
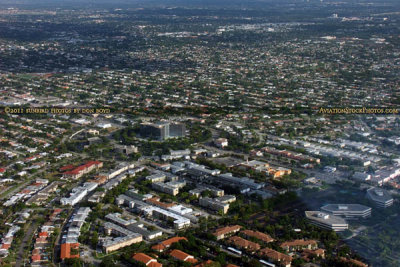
{"x":200,"y":133}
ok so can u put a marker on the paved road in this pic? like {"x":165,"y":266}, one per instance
{"x":170,"y":232}
{"x":57,"y":245}
{"x":24,"y":184}
{"x":16,"y":189}
{"x":356,"y":232}
{"x":88,"y":255}
{"x":28,"y":235}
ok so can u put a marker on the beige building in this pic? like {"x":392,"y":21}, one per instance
{"x":121,"y":242}
{"x":214,"y":205}
{"x":125,"y":237}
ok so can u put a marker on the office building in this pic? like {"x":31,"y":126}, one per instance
{"x":380,"y":197}
{"x":326,"y":221}
{"x":177,"y":129}
{"x":162,"y":130}
{"x":350,"y":211}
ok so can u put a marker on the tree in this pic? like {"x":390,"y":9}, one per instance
{"x":253,"y":263}
{"x":213,"y":264}
{"x":108,"y":262}
{"x":18,"y":167}
{"x":74,"y":262}
{"x":95,"y":239}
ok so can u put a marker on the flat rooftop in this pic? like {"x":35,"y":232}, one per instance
{"x":378,"y":194}
{"x":324,"y":218}
{"x":345,"y":208}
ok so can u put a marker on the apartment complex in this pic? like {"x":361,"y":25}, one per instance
{"x":223,"y":232}
{"x":124,"y":237}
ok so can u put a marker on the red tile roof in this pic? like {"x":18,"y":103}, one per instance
{"x":43,"y":234}
{"x":307,"y":254}
{"x":204,"y":264}
{"x":57,"y":211}
{"x":35,"y":258}
{"x":180,"y":255}
{"x":156,"y":201}
{"x":166,"y":243}
{"x":147,"y":260}
{"x":261,"y":236}
{"x":67,"y":167}
{"x":243,"y":243}
{"x":276,"y":256}
{"x":154,"y":264}
{"x":83,"y":167}
{"x":5,"y":246}
{"x":354,"y":262}
{"x":226,"y":230}
{"x":66,"y":250}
